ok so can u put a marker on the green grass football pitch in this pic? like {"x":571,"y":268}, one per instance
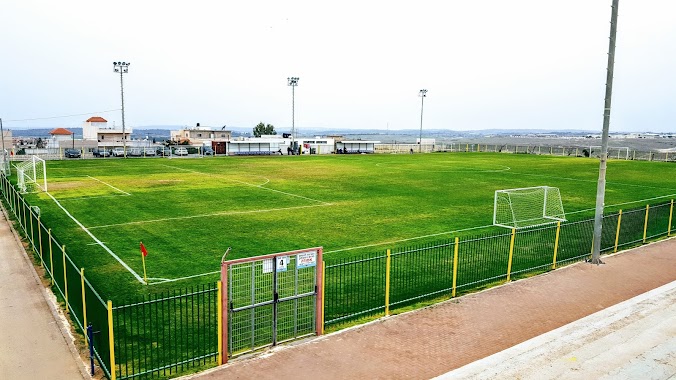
{"x":188,"y":211}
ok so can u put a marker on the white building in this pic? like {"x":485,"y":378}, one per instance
{"x":274,"y":144}
{"x":96,"y":128}
{"x":201,"y":135}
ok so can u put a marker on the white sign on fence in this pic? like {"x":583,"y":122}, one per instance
{"x":306,"y":259}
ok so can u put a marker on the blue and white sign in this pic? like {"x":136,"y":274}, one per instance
{"x":306,"y":259}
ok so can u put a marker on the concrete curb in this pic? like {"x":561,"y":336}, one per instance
{"x":59,"y":318}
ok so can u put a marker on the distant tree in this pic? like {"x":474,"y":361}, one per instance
{"x":262,"y":129}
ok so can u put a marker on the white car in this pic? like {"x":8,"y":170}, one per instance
{"x":118,"y":152}
{"x":148,"y":151}
{"x":181,"y":152}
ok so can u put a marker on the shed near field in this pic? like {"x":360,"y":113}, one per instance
{"x":356,"y":146}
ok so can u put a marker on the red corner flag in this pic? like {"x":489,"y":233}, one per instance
{"x":143,"y":250}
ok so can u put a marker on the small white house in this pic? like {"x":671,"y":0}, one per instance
{"x":96,"y":128}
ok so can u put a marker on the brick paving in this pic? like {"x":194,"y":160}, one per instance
{"x":432,"y":341}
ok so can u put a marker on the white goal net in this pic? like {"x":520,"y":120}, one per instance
{"x":528,"y":207}
{"x":32,"y":175}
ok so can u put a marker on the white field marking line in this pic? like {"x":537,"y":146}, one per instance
{"x":409,"y":239}
{"x":207,"y":215}
{"x":624,"y":203}
{"x":184,"y":278}
{"x":504,"y":169}
{"x":109,"y":185}
{"x":98,"y":241}
{"x":94,"y":197}
{"x":250,"y":184}
{"x":591,"y":180}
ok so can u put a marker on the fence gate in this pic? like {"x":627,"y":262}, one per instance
{"x":271,"y":299}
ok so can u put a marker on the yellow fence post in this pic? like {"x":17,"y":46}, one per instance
{"x":466,"y":148}
{"x":511,"y":254}
{"x":65,"y":278}
{"x":671,"y":214}
{"x":617,"y":233}
{"x":388,"y":262}
{"x":84,"y":305}
{"x":219,"y":312}
{"x":645,"y":224}
{"x":51,"y":257}
{"x":455,"y":266}
{"x":42,"y":261}
{"x":323,"y":293}
{"x":111,"y":341}
{"x":556,"y":244}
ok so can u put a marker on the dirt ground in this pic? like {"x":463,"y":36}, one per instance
{"x":432,"y":341}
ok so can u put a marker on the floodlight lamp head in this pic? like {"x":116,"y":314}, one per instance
{"x":423,"y":93}
{"x":293,"y":81}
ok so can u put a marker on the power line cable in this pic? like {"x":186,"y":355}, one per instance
{"x":63,"y":116}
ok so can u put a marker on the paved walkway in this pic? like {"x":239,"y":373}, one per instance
{"x":32,"y":345}
{"x":431,"y":342}
{"x":635,"y":339}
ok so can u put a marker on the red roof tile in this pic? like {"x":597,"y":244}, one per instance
{"x":60,"y":131}
{"x":96,"y":119}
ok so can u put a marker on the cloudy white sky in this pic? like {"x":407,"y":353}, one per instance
{"x":486,"y":63}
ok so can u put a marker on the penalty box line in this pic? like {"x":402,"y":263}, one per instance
{"x":109,"y":185}
{"x":212,"y":214}
{"x":99,"y":242}
{"x":250,"y":184}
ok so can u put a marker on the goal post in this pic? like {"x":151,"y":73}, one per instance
{"x":32,"y":174}
{"x":527,"y":207}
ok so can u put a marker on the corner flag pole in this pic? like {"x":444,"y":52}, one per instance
{"x":144,"y":253}
{"x":601,"y":187}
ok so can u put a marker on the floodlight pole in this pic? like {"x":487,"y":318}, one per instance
{"x":601,"y":188}
{"x":122,"y":68}
{"x":422,"y":94}
{"x":293,"y":82}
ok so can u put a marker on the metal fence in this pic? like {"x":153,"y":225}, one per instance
{"x":618,"y":153}
{"x":369,"y":286}
{"x":80,"y":300}
{"x":165,"y":334}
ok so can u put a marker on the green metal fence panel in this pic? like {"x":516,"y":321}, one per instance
{"x":533,"y":250}
{"x":420,"y":272}
{"x":97,"y":316}
{"x":482,"y":260}
{"x":575,"y":241}
{"x":658,"y":220}
{"x":631,"y":229}
{"x":354,"y":287}
{"x":161,"y":335}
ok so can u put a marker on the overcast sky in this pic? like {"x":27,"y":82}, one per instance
{"x":486,"y":63}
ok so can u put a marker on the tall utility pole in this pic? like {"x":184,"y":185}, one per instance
{"x":122,"y":68}
{"x":293,"y":82}
{"x":422,"y":94}
{"x":601,"y":187}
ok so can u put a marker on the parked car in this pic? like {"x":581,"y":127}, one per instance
{"x":207,"y":151}
{"x":118,"y":152}
{"x":181,"y":151}
{"x":135,"y":151}
{"x":72,"y":153}
{"x":164,"y":151}
{"x":97,"y":152}
{"x":149,"y":151}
